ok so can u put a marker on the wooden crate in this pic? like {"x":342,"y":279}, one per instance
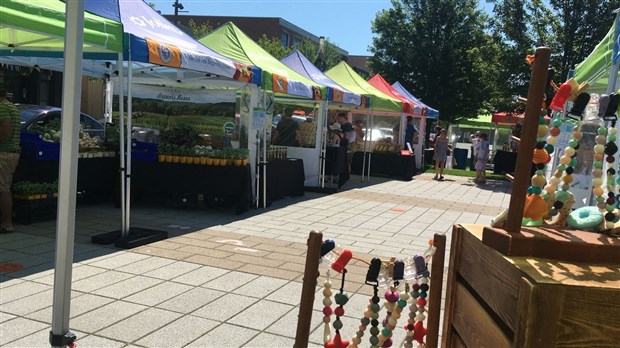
{"x":497,"y":301}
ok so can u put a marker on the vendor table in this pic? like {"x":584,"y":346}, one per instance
{"x":504,"y":162}
{"x":495,"y":300}
{"x":337,"y":164}
{"x":385,"y":164}
{"x":285,"y":178}
{"x":192,"y":180}
{"x":97,"y":177}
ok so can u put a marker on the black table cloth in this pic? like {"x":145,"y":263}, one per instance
{"x":215,"y":183}
{"x":337,"y":164}
{"x":285,"y":178}
{"x":385,"y":164}
{"x":97,"y":177}
{"x":504,"y":162}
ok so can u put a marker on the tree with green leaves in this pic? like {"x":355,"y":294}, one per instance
{"x":308,"y":48}
{"x":199,"y":31}
{"x":439,"y":50}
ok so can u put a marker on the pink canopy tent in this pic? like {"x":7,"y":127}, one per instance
{"x":409,"y":106}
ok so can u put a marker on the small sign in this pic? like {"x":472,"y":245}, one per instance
{"x":229,"y":128}
{"x":258,"y":119}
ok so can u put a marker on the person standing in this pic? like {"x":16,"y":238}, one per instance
{"x":441,"y":154}
{"x":287,"y":132}
{"x":475,"y":145}
{"x":346,"y":128}
{"x":411,"y":133}
{"x":483,"y":158}
{"x":9,"y":156}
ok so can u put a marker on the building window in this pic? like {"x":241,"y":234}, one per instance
{"x":296,"y":42}
{"x":284,"y":38}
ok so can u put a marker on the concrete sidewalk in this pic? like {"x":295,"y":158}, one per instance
{"x":222,"y":280}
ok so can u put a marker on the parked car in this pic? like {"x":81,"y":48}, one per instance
{"x":39,"y":119}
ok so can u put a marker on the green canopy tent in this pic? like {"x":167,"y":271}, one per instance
{"x":380,"y":104}
{"x":278,"y":83}
{"x":37,"y":28}
{"x":601,"y":64}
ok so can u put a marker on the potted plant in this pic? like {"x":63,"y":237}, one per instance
{"x":162,"y":151}
{"x":209,"y":157}
{"x":176,"y":157}
{"x":244,"y":153}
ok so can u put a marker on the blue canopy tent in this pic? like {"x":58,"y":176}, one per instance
{"x":430,"y":112}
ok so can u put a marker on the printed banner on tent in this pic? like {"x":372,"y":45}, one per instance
{"x":616,"y":53}
{"x":177,"y":94}
{"x":338,"y":95}
{"x":280,"y":84}
{"x":170,"y":55}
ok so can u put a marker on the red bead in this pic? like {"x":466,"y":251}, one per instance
{"x":610,"y":159}
{"x":610,"y":200}
{"x":339,"y":311}
{"x":416,"y":286}
{"x":327,"y":310}
{"x":421,"y":302}
{"x":409,"y":327}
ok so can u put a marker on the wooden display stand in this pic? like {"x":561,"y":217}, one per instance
{"x":531,"y":287}
{"x":500,"y":301}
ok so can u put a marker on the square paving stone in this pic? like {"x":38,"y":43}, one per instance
{"x":260,"y":315}
{"x":29,"y":304}
{"x":119,"y":259}
{"x":100,"y":280}
{"x":17,"y":328}
{"x":158,"y":293}
{"x":39,"y":339}
{"x":224,"y":307}
{"x":80,"y":304}
{"x":287,"y":324}
{"x":146,"y":265}
{"x":225,"y":335}
{"x":201,"y":275}
{"x":20,"y":290}
{"x":289,"y":293}
{"x":105,"y":316}
{"x":260,"y":287}
{"x":127,"y":287}
{"x":92,"y":341}
{"x":139,"y":325}
{"x":270,"y":340}
{"x":172,"y":270}
{"x":178,"y":333}
{"x":231,"y":280}
{"x":189,"y":301}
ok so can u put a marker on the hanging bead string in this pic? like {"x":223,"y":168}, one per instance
{"x":374,"y":322}
{"x":392,"y":297}
{"x":341,"y":299}
{"x":364,"y":321}
{"x":554,"y":132}
{"x":327,"y":309}
{"x":610,"y":150}
{"x":419,"y":331}
{"x":541,"y":156}
{"x":597,"y":168}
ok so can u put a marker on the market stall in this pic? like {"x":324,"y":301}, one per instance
{"x":280,"y":85}
{"x":381,"y":118}
{"x":333,"y":166}
{"x":410,"y":108}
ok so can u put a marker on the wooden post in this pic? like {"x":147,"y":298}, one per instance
{"x":308,"y":289}
{"x":434,"y":300}
{"x":523,"y":168}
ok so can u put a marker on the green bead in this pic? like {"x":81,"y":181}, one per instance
{"x":600,"y":199}
{"x":598,"y":164}
{"x":374,"y":340}
{"x":542,"y":120}
{"x":375,"y":307}
{"x":386,"y":332}
{"x":374,"y":331}
{"x":540,"y":172}
{"x":573,"y":143}
{"x":556,"y":122}
{"x":561,"y":196}
{"x":546,"y":196}
{"x":337,"y":324}
{"x":573,"y":162}
{"x":609,"y":208}
{"x":611,"y":138}
{"x":561,"y":167}
{"x":402,"y":303}
{"x":536,"y":190}
{"x":601,"y":131}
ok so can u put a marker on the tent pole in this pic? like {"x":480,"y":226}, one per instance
{"x":324,"y":111}
{"x":128,"y":148}
{"x":372,"y":117}
{"x":121,"y":125}
{"x":367,"y":133}
{"x":60,"y":336}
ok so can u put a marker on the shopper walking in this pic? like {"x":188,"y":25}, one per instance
{"x":9,"y":156}
{"x":441,"y":154}
{"x":483,"y":158}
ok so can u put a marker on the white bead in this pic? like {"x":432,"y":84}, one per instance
{"x":612,"y":131}
{"x":404,"y":296}
{"x":327,"y":284}
{"x":327,"y":301}
{"x":420,"y":317}
{"x":423,"y":280}
{"x":409,"y":333}
{"x":392,"y":321}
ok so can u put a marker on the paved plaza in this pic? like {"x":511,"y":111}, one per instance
{"x":225,"y":280}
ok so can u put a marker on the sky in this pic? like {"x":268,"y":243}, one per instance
{"x":345,"y":23}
